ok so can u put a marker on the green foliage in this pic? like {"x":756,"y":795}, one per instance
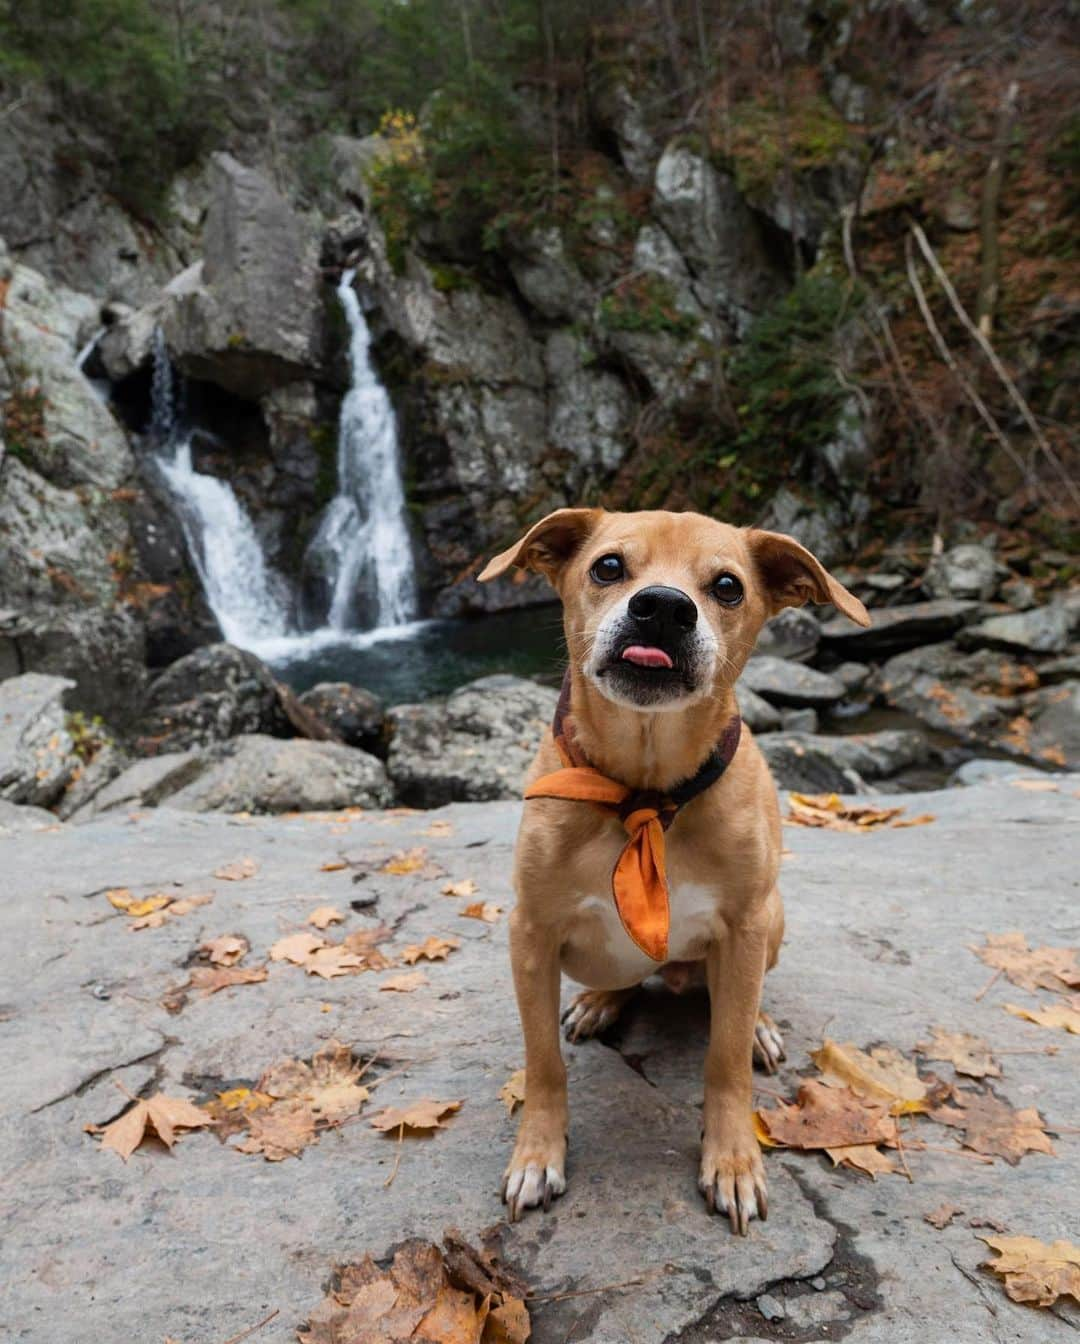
{"x":783,"y":375}
{"x":114,"y":66}
{"x":88,"y":735}
{"x":645,"y":303}
{"x":815,"y":136}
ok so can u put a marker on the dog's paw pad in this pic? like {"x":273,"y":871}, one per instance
{"x":530,"y":1186}
{"x":768,"y":1044}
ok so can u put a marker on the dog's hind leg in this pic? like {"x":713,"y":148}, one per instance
{"x":593,"y":1011}
{"x":768,"y":1042}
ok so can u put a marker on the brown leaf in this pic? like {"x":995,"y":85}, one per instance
{"x":1066,"y":1016}
{"x":484,"y":910}
{"x":422,"y":1115}
{"x":330,"y":962}
{"x":237,"y":871}
{"x":333,"y":866}
{"x":405,"y":861}
{"x":827,"y":1117}
{"x":157,"y":1115}
{"x":432,"y":949}
{"x":1035,"y":1272}
{"x":830,"y":812}
{"x":508,"y":1324}
{"x":226,"y":950}
{"x":992,"y":1126}
{"x":283,"y":1131}
{"x":512,"y":1092}
{"x":152,"y":921}
{"x":942,"y":1216}
{"x":863,"y":1157}
{"x":209,"y":979}
{"x":404,"y":983}
{"x":883,"y":1074}
{"x":325,"y":915}
{"x":186,"y":904}
{"x":1052,"y":968}
{"x":969,"y":1055}
{"x":335,"y":1093}
{"x":466,"y":887}
{"x":297,"y":948}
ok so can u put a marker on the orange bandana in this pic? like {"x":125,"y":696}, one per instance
{"x":638,"y":882}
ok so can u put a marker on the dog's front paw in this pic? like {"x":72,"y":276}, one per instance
{"x":536,"y":1174}
{"x":732,"y":1179}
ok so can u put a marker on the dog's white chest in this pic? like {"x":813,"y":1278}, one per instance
{"x":692,"y":908}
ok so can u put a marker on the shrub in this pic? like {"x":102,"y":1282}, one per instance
{"x":645,"y":303}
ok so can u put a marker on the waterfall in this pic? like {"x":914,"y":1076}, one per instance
{"x":361,"y":547}
{"x":247,"y":598}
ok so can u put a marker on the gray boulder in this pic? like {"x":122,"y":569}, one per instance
{"x":90,"y":778}
{"x":1040,"y":630}
{"x":547,"y":277}
{"x":812,"y":763}
{"x":950,"y":692}
{"x":211,"y":695}
{"x":756,"y":713}
{"x":817,"y":525}
{"x":1054,"y":738}
{"x":354,"y":716}
{"x":966,"y":571}
{"x":16,"y":817}
{"x":37,"y":753}
{"x":474,"y":746}
{"x":145,"y":784}
{"x":894,"y":628}
{"x":787,"y":683}
{"x":795,"y":633}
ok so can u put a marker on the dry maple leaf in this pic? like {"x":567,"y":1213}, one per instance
{"x":883,"y":1074}
{"x":829,"y":812}
{"x":969,"y":1055}
{"x":466,"y":887}
{"x":992,"y":1126}
{"x":297,"y":947}
{"x":484,"y":910}
{"x":333,"y":866}
{"x":186,"y":904}
{"x":1063,"y":1015}
{"x":1035,"y":1272}
{"x":512,"y":1092}
{"x":325,"y":915}
{"x":825,"y":1117}
{"x":431,"y":949}
{"x":152,"y":921}
{"x":158,"y":1116}
{"x":404,"y":983}
{"x":1052,"y":968}
{"x":121,"y":899}
{"x":405,"y":861}
{"x":864,"y":1157}
{"x":237,"y":871}
{"x":942,"y":1216}
{"x":209,"y":979}
{"x":283,"y":1131}
{"x":226,"y":950}
{"x":417,"y":1116}
{"x":330,"y":962}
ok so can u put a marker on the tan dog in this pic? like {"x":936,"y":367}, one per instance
{"x":661,"y":611}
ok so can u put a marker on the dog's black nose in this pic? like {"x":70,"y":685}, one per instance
{"x":660,"y":611}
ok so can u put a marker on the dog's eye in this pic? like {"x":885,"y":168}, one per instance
{"x":608,"y":569}
{"x":728,"y":590}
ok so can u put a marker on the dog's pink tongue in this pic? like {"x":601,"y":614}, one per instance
{"x":645,"y":655}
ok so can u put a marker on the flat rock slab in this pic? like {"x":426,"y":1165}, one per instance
{"x":894,"y":628}
{"x":788,"y":683}
{"x":200,"y":1244}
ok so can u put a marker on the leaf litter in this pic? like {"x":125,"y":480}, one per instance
{"x":969,"y":1055}
{"x":1035,"y":1272}
{"x":1053,"y":968}
{"x":152,"y":912}
{"x":1065,"y":1016}
{"x":158,"y":1117}
{"x":828,"y":811}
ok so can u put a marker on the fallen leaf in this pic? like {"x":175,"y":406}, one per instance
{"x":281,"y":1132}
{"x":333,"y":866}
{"x":297,"y":948}
{"x":864,"y":1157}
{"x":830,"y":812}
{"x":440,"y":828}
{"x":123,"y":900}
{"x":992,"y":1126}
{"x":335,"y":1093}
{"x":238,"y":871}
{"x":432,"y":949}
{"x":942,"y":1216}
{"x":152,"y":921}
{"x":512,"y":1092}
{"x":1035,"y":785}
{"x":330,"y":962}
{"x":1063,"y":1015}
{"x":1035,"y":1272}
{"x":826,"y":1117}
{"x":466,"y":887}
{"x":404,"y":983}
{"x":209,"y":979}
{"x":158,"y":1116}
{"x":226,"y":950}
{"x":419,"y":1116}
{"x":484,"y":910}
{"x":186,"y":904}
{"x":405,"y":861}
{"x":1054,"y":968}
{"x":232,"y":1109}
{"x":969,"y":1055}
{"x":883,"y":1074}
{"x":325,"y":915}
{"x":364,"y":943}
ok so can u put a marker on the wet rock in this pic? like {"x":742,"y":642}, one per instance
{"x":254,"y":773}
{"x":795,"y":633}
{"x":812,"y":763}
{"x":466,"y":597}
{"x":354,"y":716}
{"x":756,"y":713}
{"x":208,"y":696}
{"x":967,"y":571}
{"x":894,"y":628}
{"x":474,"y":746}
{"x":1041,"y":630}
{"x":37,"y":754}
{"x":787,"y":683}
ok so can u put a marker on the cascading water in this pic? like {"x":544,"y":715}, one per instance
{"x":246,"y":596}
{"x":361,"y":547}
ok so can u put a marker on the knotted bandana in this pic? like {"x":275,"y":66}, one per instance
{"x":638,"y":882}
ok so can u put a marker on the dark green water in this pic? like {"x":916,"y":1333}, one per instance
{"x":435,"y":657}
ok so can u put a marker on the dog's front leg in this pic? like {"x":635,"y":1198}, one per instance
{"x":732,"y":1175}
{"x":536,"y":1173}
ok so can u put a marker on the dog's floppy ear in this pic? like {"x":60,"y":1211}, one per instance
{"x":793,"y":576}
{"x":547,"y":545}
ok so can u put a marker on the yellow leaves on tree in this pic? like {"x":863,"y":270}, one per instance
{"x":161,"y":1117}
{"x":1053,"y":968}
{"x":1035,"y":1272}
{"x":828,"y":811}
{"x":458,"y":1295}
{"x":969,"y":1055}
